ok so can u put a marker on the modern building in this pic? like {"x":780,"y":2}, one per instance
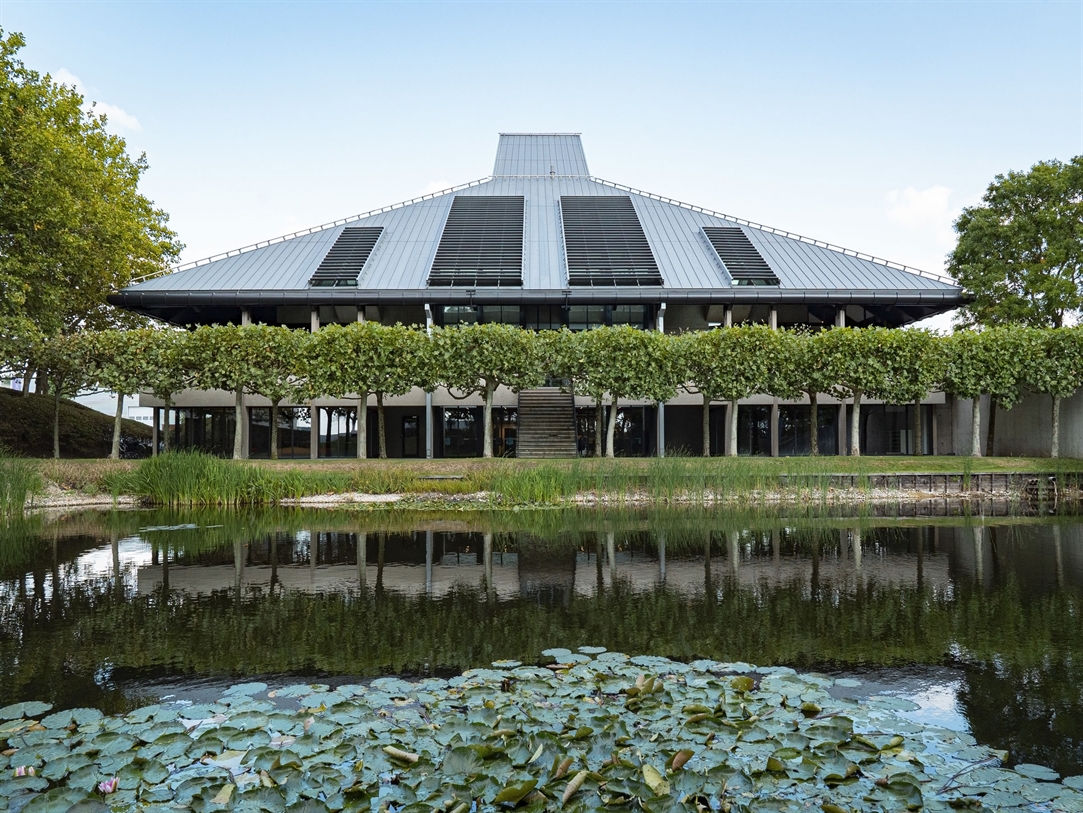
{"x":543,"y":244}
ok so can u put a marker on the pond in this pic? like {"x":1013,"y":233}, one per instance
{"x":975,"y":620}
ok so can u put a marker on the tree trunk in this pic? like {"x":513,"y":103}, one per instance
{"x":383,"y":435}
{"x":1055,"y":450}
{"x":706,"y":425}
{"x":855,"y":426}
{"x":990,"y":433}
{"x":238,"y":424}
{"x":917,"y":427}
{"x":487,"y":422}
{"x":42,"y":387}
{"x":731,"y":426}
{"x":814,"y":423}
{"x":975,"y":427}
{"x":26,"y":379}
{"x":56,"y":423}
{"x":274,"y":430}
{"x":114,"y":453}
{"x":598,"y":447}
{"x":363,"y":427}
{"x":611,"y":429}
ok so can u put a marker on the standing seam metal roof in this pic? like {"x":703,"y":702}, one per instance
{"x":404,"y":255}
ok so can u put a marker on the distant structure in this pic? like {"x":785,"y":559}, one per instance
{"x":543,"y":244}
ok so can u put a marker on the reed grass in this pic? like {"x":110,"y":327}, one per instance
{"x":19,"y":482}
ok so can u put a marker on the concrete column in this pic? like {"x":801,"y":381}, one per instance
{"x":774,"y":429}
{"x":840,"y":430}
{"x":314,"y":315}
{"x":727,"y":316}
{"x":428,"y":395}
{"x":660,"y":412}
{"x":314,"y":436}
{"x":840,"y":317}
{"x":246,"y":317}
{"x":772,"y":319}
{"x":360,"y":313}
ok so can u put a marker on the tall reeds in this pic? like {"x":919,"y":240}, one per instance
{"x":19,"y":481}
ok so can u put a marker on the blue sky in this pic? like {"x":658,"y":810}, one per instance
{"x":867,"y":124}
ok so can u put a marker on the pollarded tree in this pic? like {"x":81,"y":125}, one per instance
{"x":1019,"y":257}
{"x":276,"y":372}
{"x":168,"y":367}
{"x":913,"y":363}
{"x":858,"y":368}
{"x":628,"y":363}
{"x":984,"y":363}
{"x":223,"y":359}
{"x":728,"y":364}
{"x":1053,"y":365}
{"x":64,"y":360}
{"x":117,"y":362}
{"x":804,"y":368}
{"x":361,"y":359}
{"x":476,"y":359}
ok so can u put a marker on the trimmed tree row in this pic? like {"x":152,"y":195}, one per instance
{"x":604,"y":364}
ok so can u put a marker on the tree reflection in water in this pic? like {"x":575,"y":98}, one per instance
{"x":94,"y":608}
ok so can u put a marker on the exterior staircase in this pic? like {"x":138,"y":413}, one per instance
{"x":546,"y":423}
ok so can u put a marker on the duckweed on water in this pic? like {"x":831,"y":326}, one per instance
{"x":592,"y":731}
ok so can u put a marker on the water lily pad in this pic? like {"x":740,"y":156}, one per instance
{"x":1039,"y":772}
{"x":592,"y":650}
{"x":245,"y":689}
{"x":31,"y":709}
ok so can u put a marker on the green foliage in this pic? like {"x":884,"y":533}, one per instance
{"x":1052,"y":360}
{"x":73,"y":225}
{"x":1019,"y":257}
{"x":728,"y":364}
{"x":989,"y":362}
{"x":19,"y":481}
{"x":624,"y":362}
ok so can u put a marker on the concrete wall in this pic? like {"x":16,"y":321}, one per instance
{"x":1027,"y":429}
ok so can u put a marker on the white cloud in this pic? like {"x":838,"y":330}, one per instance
{"x":924,"y":210}
{"x":118,"y":116}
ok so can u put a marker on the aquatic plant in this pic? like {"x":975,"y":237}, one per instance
{"x":19,"y":481}
{"x":592,"y":730}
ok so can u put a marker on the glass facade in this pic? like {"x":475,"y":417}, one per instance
{"x":294,"y":432}
{"x":548,"y":317}
{"x":206,"y":429}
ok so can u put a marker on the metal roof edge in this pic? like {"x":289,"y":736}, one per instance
{"x":933,"y":275}
{"x":743,"y":294}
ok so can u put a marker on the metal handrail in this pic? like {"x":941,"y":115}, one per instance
{"x":800,"y":237}
{"x":311,"y":230}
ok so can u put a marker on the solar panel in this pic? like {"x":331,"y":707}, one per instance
{"x":743,"y":262}
{"x":604,"y":242}
{"x":482,"y":243}
{"x":342,"y":265}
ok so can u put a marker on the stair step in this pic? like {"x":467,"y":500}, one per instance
{"x":546,"y":422}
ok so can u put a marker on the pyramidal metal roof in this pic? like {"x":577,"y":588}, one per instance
{"x":543,"y":168}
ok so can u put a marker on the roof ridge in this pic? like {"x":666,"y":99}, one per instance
{"x":311,"y":230}
{"x":849,"y":252}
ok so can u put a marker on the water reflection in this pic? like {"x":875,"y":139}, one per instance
{"x":977,"y":621}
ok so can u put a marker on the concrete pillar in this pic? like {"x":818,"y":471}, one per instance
{"x":840,"y":316}
{"x":727,"y":316}
{"x":772,"y":318}
{"x":660,"y":412}
{"x":246,"y":317}
{"x":840,"y":430}
{"x":314,"y":436}
{"x":428,"y":395}
{"x":314,"y":319}
{"x":360,"y":313}
{"x":774,"y":429}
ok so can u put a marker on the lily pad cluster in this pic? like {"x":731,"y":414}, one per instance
{"x":591,"y":730}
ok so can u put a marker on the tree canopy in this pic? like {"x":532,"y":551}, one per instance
{"x":73,"y":225}
{"x":1020,"y":252}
